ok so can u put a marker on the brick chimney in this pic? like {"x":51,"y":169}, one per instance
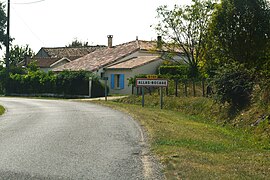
{"x":110,"y":37}
{"x":159,"y":42}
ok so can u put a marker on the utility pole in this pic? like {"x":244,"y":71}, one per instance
{"x":7,"y":47}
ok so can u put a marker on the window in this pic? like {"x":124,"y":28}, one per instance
{"x":117,"y":81}
{"x":102,"y":74}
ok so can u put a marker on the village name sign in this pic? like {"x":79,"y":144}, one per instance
{"x":143,"y":82}
{"x":152,"y":81}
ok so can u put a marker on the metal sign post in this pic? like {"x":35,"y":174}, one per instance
{"x":106,"y":90}
{"x":90,"y":87}
{"x":142,"y":96}
{"x":161,"y":98}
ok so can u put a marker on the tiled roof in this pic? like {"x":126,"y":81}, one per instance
{"x":134,"y":62}
{"x":152,"y":46}
{"x":44,"y":62}
{"x":100,"y":58}
{"x":106,"y":56}
{"x":76,"y":52}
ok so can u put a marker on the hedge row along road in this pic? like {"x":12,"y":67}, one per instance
{"x":57,"y":139}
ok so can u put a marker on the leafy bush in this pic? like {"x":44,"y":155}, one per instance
{"x":264,"y":83}
{"x":2,"y":110}
{"x":2,"y":79}
{"x":234,"y":85}
{"x":64,"y":83}
{"x":264,"y":91}
{"x":177,"y":71}
{"x":72,"y":82}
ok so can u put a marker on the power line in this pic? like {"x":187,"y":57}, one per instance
{"x":24,"y":22}
{"x":32,"y":2}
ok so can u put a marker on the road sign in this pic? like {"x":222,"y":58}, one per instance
{"x":152,"y":76}
{"x":144,"y":82}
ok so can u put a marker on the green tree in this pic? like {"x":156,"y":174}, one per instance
{"x":240,"y":31}
{"x":77,"y":43}
{"x":19,"y":54}
{"x":234,"y":84}
{"x":3,"y":20}
{"x":186,"y":26}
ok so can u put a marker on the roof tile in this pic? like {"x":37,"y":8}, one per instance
{"x":44,"y":62}
{"x":134,"y":62}
{"x":106,"y":56}
{"x":60,"y":52}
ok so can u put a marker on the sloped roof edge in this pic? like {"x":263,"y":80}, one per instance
{"x":60,"y":60}
{"x":134,"y":62}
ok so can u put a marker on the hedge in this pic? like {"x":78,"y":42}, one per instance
{"x":179,"y":71}
{"x":64,"y":83}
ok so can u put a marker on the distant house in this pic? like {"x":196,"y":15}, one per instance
{"x":47,"y":64}
{"x":120,"y":62}
{"x":49,"y":58}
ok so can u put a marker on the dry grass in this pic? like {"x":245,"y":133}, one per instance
{"x":190,"y":147}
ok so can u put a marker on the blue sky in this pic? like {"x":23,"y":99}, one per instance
{"x":55,"y":23}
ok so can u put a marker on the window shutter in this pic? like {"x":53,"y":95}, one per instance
{"x":112,"y":81}
{"x":122,"y":81}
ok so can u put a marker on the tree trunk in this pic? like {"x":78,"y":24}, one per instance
{"x":193,"y":86}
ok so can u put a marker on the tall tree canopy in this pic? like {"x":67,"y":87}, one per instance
{"x":186,"y":26}
{"x":19,"y":53}
{"x":240,"y":31}
{"x":3,"y":25}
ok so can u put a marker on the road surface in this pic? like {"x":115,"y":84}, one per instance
{"x":58,"y":139}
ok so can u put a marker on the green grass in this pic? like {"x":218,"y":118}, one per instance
{"x":208,"y":110}
{"x":190,"y":147}
{"x":2,"y":110}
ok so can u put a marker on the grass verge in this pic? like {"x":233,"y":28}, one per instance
{"x":190,"y":147}
{"x":255,"y":119}
{"x":2,"y":110}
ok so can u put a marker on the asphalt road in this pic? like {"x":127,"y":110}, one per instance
{"x":58,"y":139}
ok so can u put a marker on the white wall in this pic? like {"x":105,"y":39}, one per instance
{"x":150,"y":68}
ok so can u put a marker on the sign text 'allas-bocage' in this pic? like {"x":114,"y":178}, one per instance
{"x":144,"y":82}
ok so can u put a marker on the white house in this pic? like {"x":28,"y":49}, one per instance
{"x":120,"y":62}
{"x":120,"y":73}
